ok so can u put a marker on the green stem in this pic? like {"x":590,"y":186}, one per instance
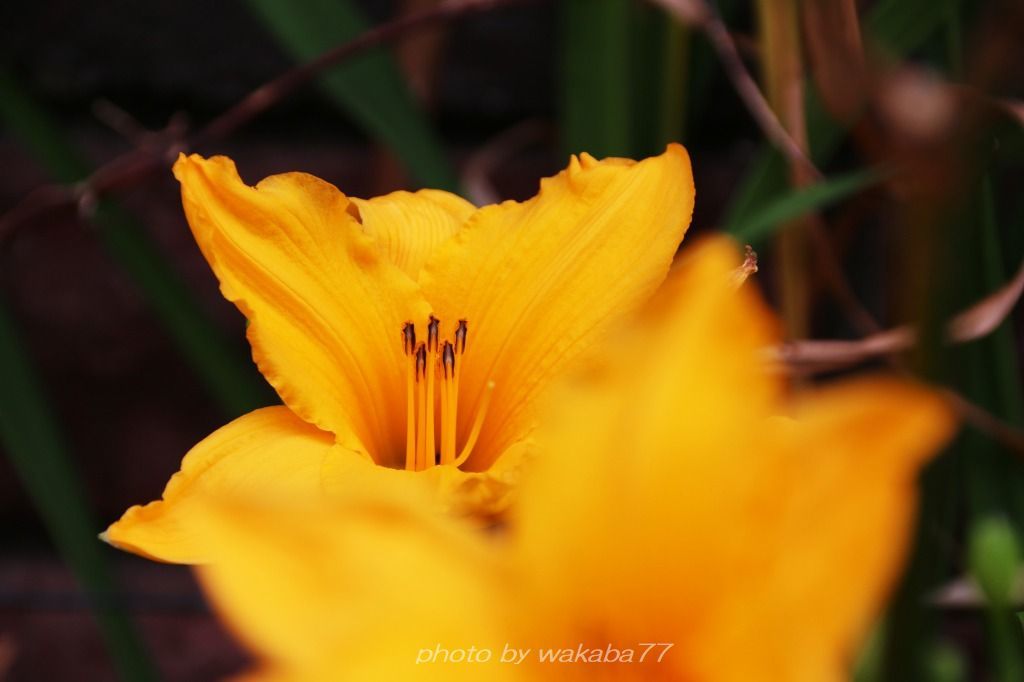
{"x":30,"y":436}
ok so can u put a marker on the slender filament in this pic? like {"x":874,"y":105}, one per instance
{"x":421,"y":400}
{"x":410,"y":414}
{"x":429,"y":442}
{"x":448,"y":388}
{"x":409,"y":347}
{"x":478,"y":423}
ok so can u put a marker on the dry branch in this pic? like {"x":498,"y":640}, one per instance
{"x":132,"y":168}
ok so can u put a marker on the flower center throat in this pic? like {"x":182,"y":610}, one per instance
{"x":432,"y":382}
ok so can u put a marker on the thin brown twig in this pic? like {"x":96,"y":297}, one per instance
{"x":1010,"y":437}
{"x":1006,"y":435}
{"x":979,"y":320}
{"x":125,"y":125}
{"x":272,"y":92}
{"x":137,"y":165}
{"x":476,"y":173}
{"x":700,"y":14}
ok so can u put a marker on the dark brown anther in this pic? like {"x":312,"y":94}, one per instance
{"x":421,"y":361}
{"x":460,"y":337}
{"x":433,"y":333}
{"x":409,"y":338}
{"x":448,"y":359}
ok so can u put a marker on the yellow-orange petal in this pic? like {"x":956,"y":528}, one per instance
{"x":483,"y":494}
{"x":325,"y":305}
{"x":540,"y":281}
{"x":734,"y":530}
{"x":843,"y":474}
{"x":356,"y":588}
{"x":267,"y":454}
{"x":479,"y":495}
{"x":410,"y":226}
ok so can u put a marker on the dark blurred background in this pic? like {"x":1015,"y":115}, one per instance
{"x":119,"y":354}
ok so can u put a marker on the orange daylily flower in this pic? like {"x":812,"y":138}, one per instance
{"x":409,"y":335}
{"x":689,"y":519}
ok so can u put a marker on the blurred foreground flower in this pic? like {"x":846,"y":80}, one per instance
{"x":677,"y":526}
{"x":410,"y":335}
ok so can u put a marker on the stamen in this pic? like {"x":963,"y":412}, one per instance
{"x":478,"y":423}
{"x":409,"y":338}
{"x":421,"y":361}
{"x":409,"y":347}
{"x":429,"y":452}
{"x":448,"y":406}
{"x":421,"y":400}
{"x":446,"y":414}
{"x":448,"y":360}
{"x":459,"y":348}
{"x":410,"y":414}
{"x":460,"y":337}
{"x":428,"y":360}
{"x":433,"y":328}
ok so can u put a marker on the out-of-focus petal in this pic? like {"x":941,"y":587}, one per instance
{"x":760,"y":545}
{"x":358,"y":589}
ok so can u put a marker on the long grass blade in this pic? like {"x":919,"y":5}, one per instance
{"x":754,"y":227}
{"x":30,"y":436}
{"x":369,"y":88}
{"x":596,"y":70}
